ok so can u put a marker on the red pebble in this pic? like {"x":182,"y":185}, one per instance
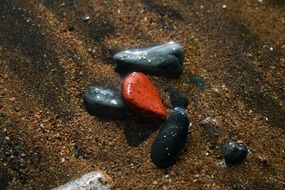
{"x":142,"y":98}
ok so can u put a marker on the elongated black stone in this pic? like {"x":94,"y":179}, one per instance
{"x":105,"y":102}
{"x":162,"y":60}
{"x":234,"y":153}
{"x":171,"y":139}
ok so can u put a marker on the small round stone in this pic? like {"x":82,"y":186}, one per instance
{"x":234,"y":153}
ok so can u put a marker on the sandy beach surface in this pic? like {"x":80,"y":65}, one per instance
{"x":49,"y":55}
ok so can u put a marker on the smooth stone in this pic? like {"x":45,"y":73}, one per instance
{"x":234,"y":153}
{"x":161,"y":60}
{"x":177,"y":99}
{"x":92,"y":180}
{"x":142,"y":98}
{"x":105,"y":102}
{"x":171,"y":139}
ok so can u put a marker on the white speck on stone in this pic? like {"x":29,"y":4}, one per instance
{"x":271,"y":48}
{"x":114,"y":102}
{"x":224,"y":6}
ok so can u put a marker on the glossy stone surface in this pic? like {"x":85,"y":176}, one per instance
{"x":234,"y":153}
{"x":142,"y":98}
{"x":162,"y":60}
{"x":171,"y":139}
{"x":92,"y":180}
{"x":105,"y":102}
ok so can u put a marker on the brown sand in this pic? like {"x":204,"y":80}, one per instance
{"x":48,"y":56}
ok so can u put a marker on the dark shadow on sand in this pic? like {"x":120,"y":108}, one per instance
{"x":43,"y":73}
{"x":241,"y":75}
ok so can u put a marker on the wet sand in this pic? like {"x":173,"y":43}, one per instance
{"x":48,"y":56}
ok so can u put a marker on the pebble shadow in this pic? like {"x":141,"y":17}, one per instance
{"x":163,"y":10}
{"x":137,"y":133}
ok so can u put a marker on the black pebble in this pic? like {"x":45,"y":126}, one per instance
{"x":171,"y":139}
{"x":235,"y":153}
{"x":105,"y":102}
{"x":162,"y":60}
{"x":177,"y":99}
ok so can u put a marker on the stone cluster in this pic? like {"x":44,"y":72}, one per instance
{"x":139,"y":98}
